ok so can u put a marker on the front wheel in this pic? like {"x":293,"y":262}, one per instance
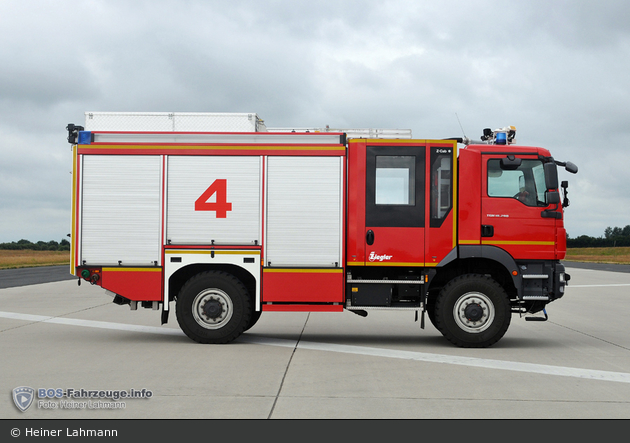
{"x":473,"y":311}
{"x":213,"y":307}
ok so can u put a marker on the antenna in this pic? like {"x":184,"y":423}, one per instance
{"x":460,"y":125}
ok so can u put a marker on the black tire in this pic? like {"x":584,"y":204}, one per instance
{"x":431,"y":310}
{"x":473,"y":311}
{"x":213,"y":307}
{"x":254,"y":318}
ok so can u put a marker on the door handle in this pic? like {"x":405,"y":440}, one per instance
{"x":369,"y":238}
{"x":487,"y":230}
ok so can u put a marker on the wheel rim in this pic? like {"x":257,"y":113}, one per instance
{"x":212,"y":308}
{"x":474,"y":312}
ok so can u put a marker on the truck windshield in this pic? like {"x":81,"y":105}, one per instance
{"x":525,"y":184}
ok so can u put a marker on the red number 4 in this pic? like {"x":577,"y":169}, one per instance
{"x":220,"y":205}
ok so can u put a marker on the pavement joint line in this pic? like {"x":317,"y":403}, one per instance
{"x":589,"y":374}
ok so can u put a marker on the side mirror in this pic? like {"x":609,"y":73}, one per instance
{"x":510,"y":163}
{"x":551,"y":175}
{"x":572,"y":168}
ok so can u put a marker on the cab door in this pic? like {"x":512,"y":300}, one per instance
{"x":441,"y":231}
{"x":514,"y":203}
{"x":395,"y":204}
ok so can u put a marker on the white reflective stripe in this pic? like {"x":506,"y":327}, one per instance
{"x":563,"y":371}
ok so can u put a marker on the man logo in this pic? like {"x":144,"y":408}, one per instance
{"x":23,"y":397}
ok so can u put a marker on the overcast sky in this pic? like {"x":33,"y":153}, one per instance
{"x":557,"y":70}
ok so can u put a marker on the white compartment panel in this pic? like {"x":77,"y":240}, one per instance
{"x":121,"y":215}
{"x":304,"y":198}
{"x":190,"y":176}
{"x":173,"y":121}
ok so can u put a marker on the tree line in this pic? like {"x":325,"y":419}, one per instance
{"x":63,"y":245}
{"x":612,"y":237}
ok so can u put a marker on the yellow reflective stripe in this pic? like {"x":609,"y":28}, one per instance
{"x":400,"y":141}
{"x":454,"y":194}
{"x":469,"y":242}
{"x":518,"y":243}
{"x":75,"y":259}
{"x":506,"y":242}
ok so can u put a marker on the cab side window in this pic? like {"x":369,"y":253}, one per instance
{"x":395,"y":180}
{"x":525,"y":184}
{"x":441,"y":185}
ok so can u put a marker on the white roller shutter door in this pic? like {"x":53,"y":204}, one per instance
{"x":189,"y":177}
{"x":121,"y":209}
{"x":304,"y":199}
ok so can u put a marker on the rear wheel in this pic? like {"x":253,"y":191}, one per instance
{"x":213,"y":307}
{"x":473,"y":311}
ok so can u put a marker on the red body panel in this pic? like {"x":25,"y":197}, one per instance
{"x":469,"y":191}
{"x":136,"y":284}
{"x":356,"y":204}
{"x":440,"y":241}
{"x":396,"y":247}
{"x":561,"y":243}
{"x":303,"y":285}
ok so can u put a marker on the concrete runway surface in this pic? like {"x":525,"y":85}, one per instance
{"x":57,"y":336}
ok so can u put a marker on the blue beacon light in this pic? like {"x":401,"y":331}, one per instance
{"x":85,"y":137}
{"x":501,"y":138}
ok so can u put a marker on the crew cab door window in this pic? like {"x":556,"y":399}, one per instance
{"x":395,"y":180}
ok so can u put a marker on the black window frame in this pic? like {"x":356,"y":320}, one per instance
{"x":436,"y":154}
{"x":393,"y":215}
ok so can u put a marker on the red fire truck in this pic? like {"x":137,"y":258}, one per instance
{"x":222,"y":219}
